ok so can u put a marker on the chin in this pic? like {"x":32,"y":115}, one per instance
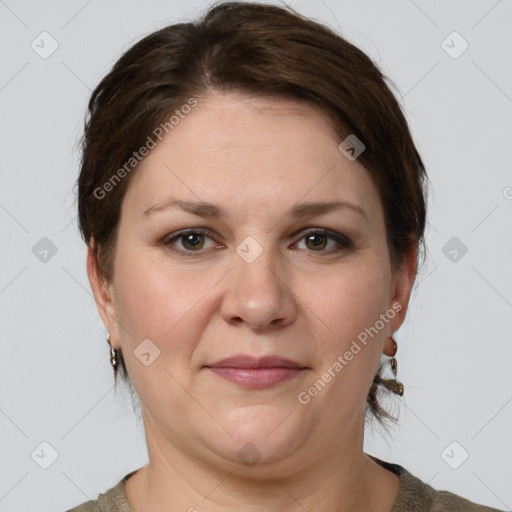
{"x":261,"y":434}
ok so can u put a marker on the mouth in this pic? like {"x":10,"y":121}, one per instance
{"x":256,"y":372}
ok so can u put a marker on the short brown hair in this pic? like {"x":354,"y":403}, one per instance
{"x":262,"y":50}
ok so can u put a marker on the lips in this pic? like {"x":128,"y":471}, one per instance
{"x":255,"y":362}
{"x":256,"y":372}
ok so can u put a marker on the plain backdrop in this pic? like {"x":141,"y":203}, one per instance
{"x":65,"y":436}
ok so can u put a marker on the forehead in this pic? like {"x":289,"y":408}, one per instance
{"x":256,"y":151}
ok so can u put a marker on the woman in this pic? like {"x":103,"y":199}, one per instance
{"x":254,"y":205}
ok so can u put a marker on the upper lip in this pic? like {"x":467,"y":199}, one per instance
{"x":243,"y":361}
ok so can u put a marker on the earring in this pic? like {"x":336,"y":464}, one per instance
{"x":113,"y":354}
{"x":392,"y":384}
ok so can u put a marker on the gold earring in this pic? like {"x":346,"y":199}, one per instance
{"x":392,"y":384}
{"x":113,"y":354}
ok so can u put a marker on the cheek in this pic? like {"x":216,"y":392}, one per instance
{"x":166,"y":304}
{"x":349,"y":300}
{"x":157,"y":304}
{"x":349,"y":304}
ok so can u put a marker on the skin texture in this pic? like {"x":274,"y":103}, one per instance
{"x":256,"y":158}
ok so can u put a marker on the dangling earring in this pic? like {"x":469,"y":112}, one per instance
{"x":392,"y":384}
{"x":113,"y":354}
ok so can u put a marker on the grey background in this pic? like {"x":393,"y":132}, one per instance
{"x":455,"y":348}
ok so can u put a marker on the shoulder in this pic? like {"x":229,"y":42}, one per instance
{"x":112,"y":500}
{"x":415,"y":492}
{"x":415,"y":495}
{"x":89,"y":506}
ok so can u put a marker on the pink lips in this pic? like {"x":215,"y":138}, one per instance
{"x":256,"y":372}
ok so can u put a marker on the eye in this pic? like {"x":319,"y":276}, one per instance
{"x":191,"y":240}
{"x":317,"y":240}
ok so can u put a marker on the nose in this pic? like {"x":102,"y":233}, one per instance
{"x":258,"y":294}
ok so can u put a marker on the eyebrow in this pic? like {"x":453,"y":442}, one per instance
{"x":299,"y":210}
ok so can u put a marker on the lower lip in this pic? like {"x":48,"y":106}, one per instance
{"x":256,"y":378}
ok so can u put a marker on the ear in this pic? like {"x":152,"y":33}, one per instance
{"x":402,"y":283}
{"x":102,"y":291}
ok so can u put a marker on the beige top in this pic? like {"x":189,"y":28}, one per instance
{"x":413,"y":496}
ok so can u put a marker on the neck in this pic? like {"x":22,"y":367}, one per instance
{"x":343,"y":475}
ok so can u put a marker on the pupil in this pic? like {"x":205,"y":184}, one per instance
{"x":318,"y":242}
{"x":193,"y":240}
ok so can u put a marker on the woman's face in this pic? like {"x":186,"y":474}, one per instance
{"x":262,"y":273}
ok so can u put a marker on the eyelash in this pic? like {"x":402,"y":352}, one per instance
{"x":342,"y":240}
